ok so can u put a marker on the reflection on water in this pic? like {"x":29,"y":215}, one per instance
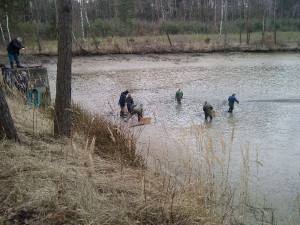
{"x":267,"y":117}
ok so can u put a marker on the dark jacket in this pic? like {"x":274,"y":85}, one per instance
{"x":207,"y":109}
{"x":179,"y":95}
{"x":22,"y":84}
{"x":14,"y":47}
{"x":122,"y":100}
{"x":231,"y":100}
{"x":130,"y":103}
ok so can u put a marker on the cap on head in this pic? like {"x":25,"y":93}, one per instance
{"x":24,"y":73}
{"x":126,"y":92}
{"x":2,"y":65}
{"x":19,"y":39}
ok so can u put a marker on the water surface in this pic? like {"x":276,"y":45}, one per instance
{"x":267,"y":118}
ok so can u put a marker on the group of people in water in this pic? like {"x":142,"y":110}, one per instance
{"x":126,"y":99}
{"x":208,"y":108}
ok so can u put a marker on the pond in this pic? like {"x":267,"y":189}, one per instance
{"x":267,"y":120}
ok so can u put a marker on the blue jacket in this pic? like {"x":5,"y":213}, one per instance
{"x":231,"y":100}
{"x":14,"y":47}
{"x":122,"y":100}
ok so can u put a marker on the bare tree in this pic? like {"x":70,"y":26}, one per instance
{"x":36,"y":25}
{"x":81,"y":22}
{"x":3,"y":37}
{"x":221,"y":22}
{"x":7,"y":26}
{"x":274,"y":14}
{"x":62,"y":119}
{"x":7,"y":127}
{"x":164,"y":22}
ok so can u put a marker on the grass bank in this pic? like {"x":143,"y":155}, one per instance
{"x":96,"y":177}
{"x":181,"y":43}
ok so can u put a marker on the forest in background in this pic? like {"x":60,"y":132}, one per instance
{"x":98,"y":21}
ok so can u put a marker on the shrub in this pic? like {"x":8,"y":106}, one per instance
{"x":111,"y":138}
{"x":207,"y":40}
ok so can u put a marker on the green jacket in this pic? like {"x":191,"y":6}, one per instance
{"x":178,"y":95}
{"x":207,"y":109}
{"x":129,"y":101}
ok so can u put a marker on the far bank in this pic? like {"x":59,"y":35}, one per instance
{"x":183,"y":43}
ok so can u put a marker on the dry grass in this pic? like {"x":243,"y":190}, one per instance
{"x":63,"y":181}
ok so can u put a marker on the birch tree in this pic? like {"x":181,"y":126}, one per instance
{"x":81,"y":22}
{"x":2,"y":34}
{"x":221,"y":22}
{"x":7,"y":27}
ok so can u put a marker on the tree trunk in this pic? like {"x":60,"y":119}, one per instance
{"x":240,"y":25}
{"x":163,"y":16}
{"x":7,"y":26}
{"x":3,"y":37}
{"x":36,"y":26}
{"x":62,"y":118}
{"x":225,"y":23}
{"x":91,"y":30}
{"x":263,"y":30}
{"x":275,"y":38}
{"x":56,"y":14}
{"x":81,"y":23}
{"x":221,"y":23}
{"x":215,"y":13}
{"x":7,"y":127}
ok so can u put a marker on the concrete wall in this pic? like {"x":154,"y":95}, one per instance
{"x":37,"y":76}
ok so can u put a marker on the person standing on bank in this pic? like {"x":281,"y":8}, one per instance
{"x":207,"y":110}
{"x":179,"y":95}
{"x":13,"y":50}
{"x":231,"y":101}
{"x":122,"y":102}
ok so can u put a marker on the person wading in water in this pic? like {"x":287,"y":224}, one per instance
{"x":231,"y":101}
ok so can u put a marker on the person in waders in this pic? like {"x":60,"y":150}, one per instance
{"x":13,"y":50}
{"x":138,"y":109}
{"x":178,"y":95}
{"x":207,"y":108}
{"x":122,"y":102}
{"x":231,"y":101}
{"x":130,"y":103}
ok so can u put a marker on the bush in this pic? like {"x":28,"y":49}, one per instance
{"x":207,"y":40}
{"x":171,"y":28}
{"x":110,"y":138}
